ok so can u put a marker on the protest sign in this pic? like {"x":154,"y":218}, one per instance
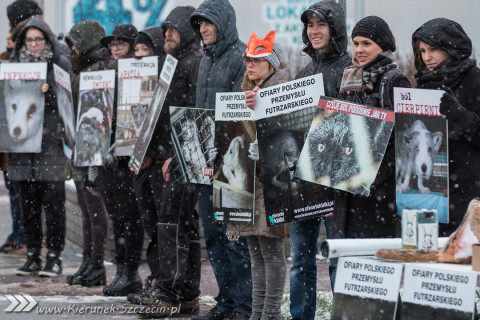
{"x":65,"y":108}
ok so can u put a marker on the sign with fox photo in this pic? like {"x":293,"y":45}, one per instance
{"x":234,"y":182}
{"x":65,"y":108}
{"x":345,"y":146}
{"x":94,"y":117}
{"x":283,"y":115}
{"x":137,"y":81}
{"x":22,"y":106}
{"x":421,"y":151}
{"x":153,"y":113}
{"x":193,"y":139}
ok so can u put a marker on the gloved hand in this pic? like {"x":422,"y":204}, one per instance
{"x":453,"y":110}
{"x":212,"y":155}
{"x":253,"y":151}
{"x":110,"y":162}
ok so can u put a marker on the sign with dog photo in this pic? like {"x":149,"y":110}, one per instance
{"x":94,"y":117}
{"x":284,"y":113}
{"x":153,"y":113}
{"x":65,"y":108}
{"x":421,"y":151}
{"x":234,"y":179}
{"x":345,"y":146}
{"x":23,"y":109}
{"x":193,"y":138}
{"x":137,"y":81}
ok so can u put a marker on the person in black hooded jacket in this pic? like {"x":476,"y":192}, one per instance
{"x":442,"y":58}
{"x":40,"y":176}
{"x":176,"y":262}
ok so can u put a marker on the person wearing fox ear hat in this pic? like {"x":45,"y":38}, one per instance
{"x":262,"y":59}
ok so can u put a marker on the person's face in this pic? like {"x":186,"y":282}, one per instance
{"x":172,"y":40}
{"x":365,"y":50}
{"x":118,"y":48}
{"x":318,"y":33}
{"x":432,"y":57}
{"x":142,"y":50}
{"x":35,"y":41}
{"x":209,"y":32}
{"x":10,"y":43}
{"x":257,"y":68}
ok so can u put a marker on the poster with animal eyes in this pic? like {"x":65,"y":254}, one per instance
{"x":345,"y":146}
{"x":65,"y":108}
{"x":421,"y":152}
{"x":284,"y":113}
{"x":22,"y":105}
{"x":234,"y":181}
{"x":193,"y":139}
{"x":94,"y":117}
{"x":137,"y":81}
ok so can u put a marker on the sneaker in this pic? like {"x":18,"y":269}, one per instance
{"x":160,"y":309}
{"x":213,"y":314}
{"x":191,"y":307}
{"x":237,"y":316}
{"x":33,"y":264}
{"x":147,"y":295}
{"x":53,"y":267}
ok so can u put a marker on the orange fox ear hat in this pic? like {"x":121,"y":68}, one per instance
{"x":260,"y":47}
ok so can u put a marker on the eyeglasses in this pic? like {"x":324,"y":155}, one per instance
{"x":29,"y":41}
{"x":119,"y":45}
{"x":254,"y":61}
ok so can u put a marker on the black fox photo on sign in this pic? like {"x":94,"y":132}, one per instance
{"x":23,"y":106}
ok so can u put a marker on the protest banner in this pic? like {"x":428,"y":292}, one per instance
{"x":65,"y":108}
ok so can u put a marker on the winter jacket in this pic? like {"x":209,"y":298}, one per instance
{"x":375,"y":216}
{"x":221,"y":68}
{"x":259,"y":227}
{"x":462,"y":76}
{"x":335,"y":59}
{"x":183,"y":88}
{"x":48,"y":165}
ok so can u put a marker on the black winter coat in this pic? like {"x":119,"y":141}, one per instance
{"x":221,"y":68}
{"x":48,"y":165}
{"x":462,"y":76}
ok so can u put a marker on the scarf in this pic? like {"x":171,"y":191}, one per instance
{"x":358,"y":82}
{"x":447,"y":73}
{"x":45,"y":56}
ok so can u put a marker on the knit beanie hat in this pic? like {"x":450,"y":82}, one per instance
{"x":143,"y":39}
{"x":265,"y":48}
{"x":377,"y":30}
{"x":20,"y":10}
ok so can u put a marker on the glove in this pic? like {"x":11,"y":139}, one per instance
{"x":253,"y":151}
{"x":111,"y":162}
{"x":452,"y":109}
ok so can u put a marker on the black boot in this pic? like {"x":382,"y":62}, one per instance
{"x":33,"y":264}
{"x":129,"y":282}
{"x":81,"y":270}
{"x":53,"y":266}
{"x":118,"y":274}
{"x":95,"y":274}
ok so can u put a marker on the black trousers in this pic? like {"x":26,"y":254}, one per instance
{"x":171,"y":221}
{"x":49,"y":195}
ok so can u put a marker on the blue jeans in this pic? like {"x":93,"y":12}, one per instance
{"x":230,"y":260}
{"x":17,"y":228}
{"x":303,"y":274}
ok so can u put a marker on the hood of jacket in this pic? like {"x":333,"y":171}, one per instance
{"x":444,"y":34}
{"x":335,"y":17}
{"x":42,"y":26}
{"x":158,"y":39}
{"x":86,"y":36}
{"x":222,"y":15}
{"x":179,"y":19}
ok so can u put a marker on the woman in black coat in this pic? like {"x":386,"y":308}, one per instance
{"x":373,"y":71}
{"x":442,"y":50}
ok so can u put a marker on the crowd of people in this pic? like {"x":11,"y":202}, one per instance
{"x":250,"y":270}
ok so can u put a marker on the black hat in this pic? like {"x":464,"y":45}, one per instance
{"x":377,"y":30}
{"x":310,"y":12}
{"x":123,"y":32}
{"x":20,"y":10}
{"x":144,"y":39}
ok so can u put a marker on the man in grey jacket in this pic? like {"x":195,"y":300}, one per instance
{"x":221,"y":70}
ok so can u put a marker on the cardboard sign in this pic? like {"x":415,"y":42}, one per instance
{"x":365,"y":287}
{"x":22,"y":106}
{"x":153,"y":113}
{"x":65,"y":108}
{"x":234,"y":181}
{"x":435,"y":293}
{"x":137,"y":81}
{"x":94,"y":117}
{"x":421,"y":151}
